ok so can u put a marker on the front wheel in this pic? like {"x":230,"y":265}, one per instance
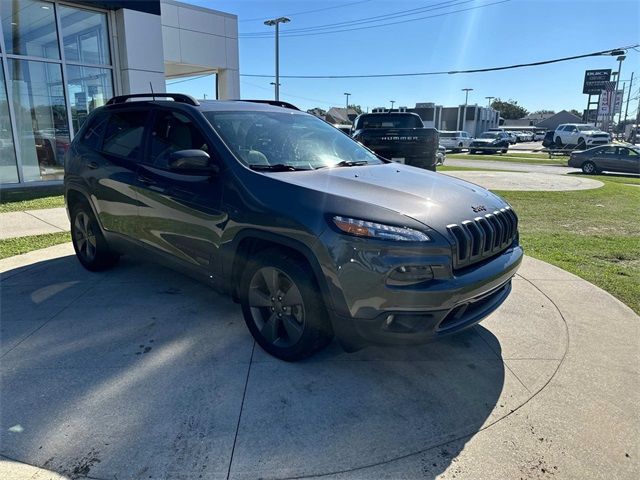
{"x":558,"y":142}
{"x":283,"y":308}
{"x":89,"y":243}
{"x":589,"y":168}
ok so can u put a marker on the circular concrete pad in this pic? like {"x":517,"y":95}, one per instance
{"x":526,"y":181}
{"x":141,"y":372}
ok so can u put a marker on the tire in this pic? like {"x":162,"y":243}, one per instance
{"x":558,"y":142}
{"x":589,"y":168}
{"x":505,"y":150}
{"x":472,"y":152}
{"x":581,"y":144}
{"x":92,"y":249}
{"x":283,"y":307}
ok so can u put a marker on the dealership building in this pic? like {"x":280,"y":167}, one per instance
{"x":59,"y":60}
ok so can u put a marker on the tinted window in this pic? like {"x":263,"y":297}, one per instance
{"x":609,"y":150}
{"x":389,"y":120}
{"x":123,"y":135}
{"x":447,"y":134}
{"x":93,"y":134}
{"x":173,"y":131}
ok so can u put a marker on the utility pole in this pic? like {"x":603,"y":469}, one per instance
{"x":612,"y":107}
{"x":347,"y":95}
{"x":466,"y":100}
{"x":626,"y":110}
{"x":276,"y":22}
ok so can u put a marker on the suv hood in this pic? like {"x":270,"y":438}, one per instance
{"x":486,"y":140}
{"x":433,"y":199}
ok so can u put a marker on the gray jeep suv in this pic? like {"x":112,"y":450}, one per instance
{"x":312,"y":233}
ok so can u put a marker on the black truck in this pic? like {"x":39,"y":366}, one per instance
{"x":398,"y":136}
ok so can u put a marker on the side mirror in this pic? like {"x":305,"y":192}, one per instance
{"x":193,"y":161}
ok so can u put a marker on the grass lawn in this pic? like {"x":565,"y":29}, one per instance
{"x":37,"y":203}
{"x":534,"y":159}
{"x":16,"y":246}
{"x":594,"y":234}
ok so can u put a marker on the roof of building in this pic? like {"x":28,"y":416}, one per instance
{"x":340,"y":115}
{"x":559,"y":118}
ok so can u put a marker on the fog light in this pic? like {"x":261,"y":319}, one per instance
{"x":410,"y":274}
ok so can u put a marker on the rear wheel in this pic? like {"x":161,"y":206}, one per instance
{"x":558,"y":142}
{"x":589,"y":168}
{"x":283,"y":308}
{"x":89,"y":243}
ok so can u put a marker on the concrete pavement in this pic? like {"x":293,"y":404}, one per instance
{"x":33,"y":222}
{"x":140,"y":372}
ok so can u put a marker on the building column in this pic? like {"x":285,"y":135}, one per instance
{"x":228,"y":84}
{"x":140,"y":54}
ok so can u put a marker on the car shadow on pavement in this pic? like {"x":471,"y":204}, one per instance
{"x":140,"y":372}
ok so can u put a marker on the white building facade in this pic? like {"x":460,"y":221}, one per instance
{"x":59,"y":60}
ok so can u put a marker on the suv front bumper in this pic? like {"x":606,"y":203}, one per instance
{"x":366,"y":309}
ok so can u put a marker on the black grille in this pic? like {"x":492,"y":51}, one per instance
{"x":483,"y":237}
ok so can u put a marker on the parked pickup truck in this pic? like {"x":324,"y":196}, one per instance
{"x":399,"y":137}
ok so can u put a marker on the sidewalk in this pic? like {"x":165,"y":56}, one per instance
{"x":33,"y":222}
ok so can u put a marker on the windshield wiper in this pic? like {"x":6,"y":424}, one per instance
{"x":278,"y":167}
{"x":351,"y":163}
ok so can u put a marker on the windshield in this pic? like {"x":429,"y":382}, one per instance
{"x":585,"y":128}
{"x":283,"y":138}
{"x":489,"y":135}
{"x":389,"y":120}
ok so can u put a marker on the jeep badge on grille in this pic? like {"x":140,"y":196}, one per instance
{"x":478,"y":208}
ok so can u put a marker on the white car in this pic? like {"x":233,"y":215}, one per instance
{"x":580,"y":135}
{"x":455,"y":140}
{"x":538,"y":136}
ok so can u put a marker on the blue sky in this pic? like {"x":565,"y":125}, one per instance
{"x":514,"y":31}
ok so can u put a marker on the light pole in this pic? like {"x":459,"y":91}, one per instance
{"x":347,"y":95}
{"x":615,"y":93}
{"x":270,"y":23}
{"x":392,"y":102}
{"x":489,"y":100}
{"x":466,"y":99}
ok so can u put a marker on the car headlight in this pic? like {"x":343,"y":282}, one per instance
{"x":363,"y":228}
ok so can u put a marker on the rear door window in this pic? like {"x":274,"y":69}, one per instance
{"x":92,"y":135}
{"x":124,"y":134}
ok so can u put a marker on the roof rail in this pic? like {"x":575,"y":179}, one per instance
{"x":177,"y":97}
{"x":275,"y":103}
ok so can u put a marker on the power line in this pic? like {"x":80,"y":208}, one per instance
{"x":306,"y":11}
{"x":452,"y":72}
{"x":191,"y":78}
{"x":285,"y":34}
{"x":290,"y":95}
{"x":386,"y":16}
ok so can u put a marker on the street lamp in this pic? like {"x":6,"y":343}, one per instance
{"x":270,"y":23}
{"x":615,"y":92}
{"x":392,"y":102}
{"x":347,"y":95}
{"x":489,"y":100}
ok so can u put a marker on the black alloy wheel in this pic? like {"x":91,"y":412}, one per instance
{"x":283,"y":308}
{"x":89,"y":243}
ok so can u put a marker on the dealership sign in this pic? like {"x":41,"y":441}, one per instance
{"x":594,"y":81}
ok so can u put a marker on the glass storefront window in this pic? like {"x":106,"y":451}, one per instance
{"x":8,"y":167}
{"x":84,"y":36}
{"x":41,"y":117}
{"x":88,"y":88}
{"x":29,"y":28}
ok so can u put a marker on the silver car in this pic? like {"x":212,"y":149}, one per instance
{"x":611,"y":158}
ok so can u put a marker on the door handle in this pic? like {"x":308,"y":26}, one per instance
{"x":92,"y":165}
{"x":146,"y":180}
